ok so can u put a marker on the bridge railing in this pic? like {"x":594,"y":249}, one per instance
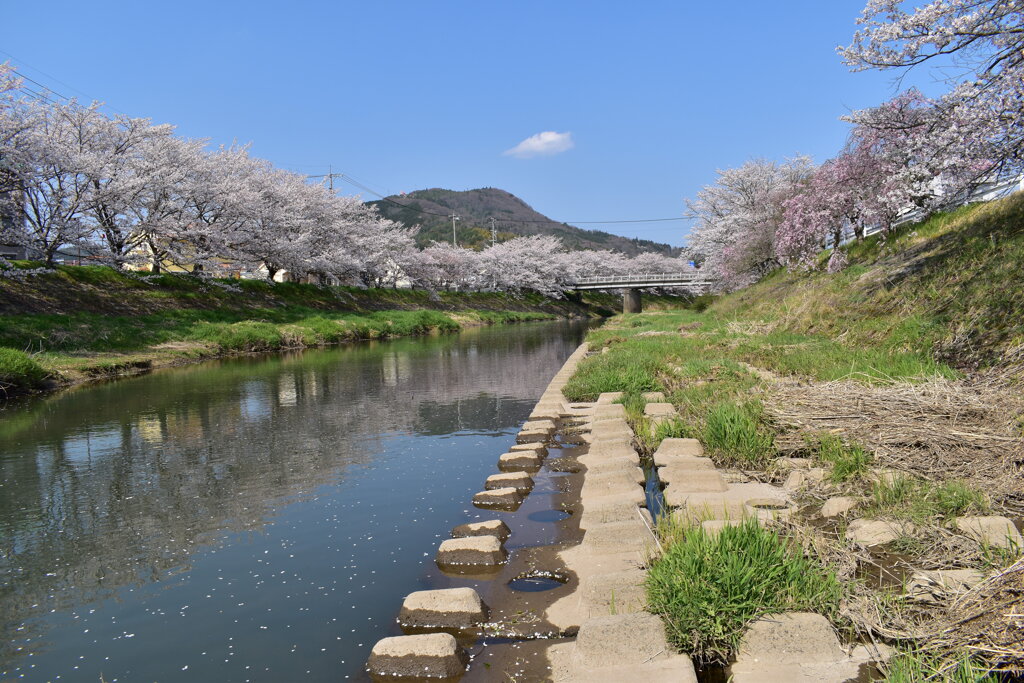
{"x":641,"y":277}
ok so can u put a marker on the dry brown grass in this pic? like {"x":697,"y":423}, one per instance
{"x":968,"y":429}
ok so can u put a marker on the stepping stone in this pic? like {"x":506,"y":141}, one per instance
{"x":548,"y":425}
{"x":869,"y":532}
{"x":609,"y":509}
{"x":459,"y":608}
{"x":768,"y":509}
{"x":994,"y":531}
{"x":618,"y":640}
{"x":484,"y":551}
{"x":609,"y":412}
{"x":434,"y":655}
{"x":798,"y":479}
{"x":799,"y":647}
{"x":660,"y":410}
{"x":672,"y":464}
{"x":838,"y":505}
{"x":693,"y":481}
{"x":521,"y":461}
{"x":603,"y":464}
{"x":632,"y":475}
{"x":615,"y":593}
{"x":612,"y":429}
{"x":520,"y":481}
{"x":937,"y":585}
{"x":629,"y":536}
{"x":653,"y":396}
{"x":536,"y":446}
{"x":606,"y":448}
{"x":609,"y":484}
{"x":533,"y":436}
{"x":676,"y":446}
{"x":492,"y":527}
{"x":504,"y":499}
{"x":609,"y":398}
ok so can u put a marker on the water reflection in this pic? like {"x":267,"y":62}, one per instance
{"x":125,"y":504}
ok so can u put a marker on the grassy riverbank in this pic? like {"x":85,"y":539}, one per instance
{"x":76,"y":323}
{"x":897,"y":382}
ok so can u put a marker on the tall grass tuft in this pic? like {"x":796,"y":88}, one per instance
{"x":708,"y":588}
{"x":918,"y":666}
{"x":734,"y":431}
{"x":848,"y":461}
{"x":921,"y":500}
{"x":19,"y":372}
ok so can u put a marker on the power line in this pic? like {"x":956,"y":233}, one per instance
{"x":363,"y":187}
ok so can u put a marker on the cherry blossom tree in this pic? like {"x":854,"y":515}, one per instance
{"x":979,"y":42}
{"x":738,"y":216}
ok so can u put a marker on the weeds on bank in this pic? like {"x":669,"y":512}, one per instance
{"x":736,"y":433}
{"x":918,"y":666}
{"x":848,"y":461}
{"x":19,"y":371}
{"x":629,"y":369}
{"x":920,"y":500}
{"x":708,"y":588}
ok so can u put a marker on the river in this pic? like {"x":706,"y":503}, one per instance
{"x":253,"y":519}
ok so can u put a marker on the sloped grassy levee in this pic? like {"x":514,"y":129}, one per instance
{"x":86,"y":321}
{"x":931,"y":321}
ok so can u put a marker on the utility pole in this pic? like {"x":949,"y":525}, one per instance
{"x":330,"y":177}
{"x":494,"y":233}
{"x":454,"y":218}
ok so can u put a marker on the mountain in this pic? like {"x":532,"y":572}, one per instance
{"x":431,"y":209}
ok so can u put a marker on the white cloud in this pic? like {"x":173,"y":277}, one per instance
{"x":542,"y":144}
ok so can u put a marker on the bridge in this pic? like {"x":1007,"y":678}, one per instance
{"x":631,"y":284}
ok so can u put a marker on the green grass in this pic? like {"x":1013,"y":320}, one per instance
{"x":709,"y":588}
{"x":19,"y":371}
{"x":736,"y":434}
{"x":920,"y":500}
{"x":630,"y":369}
{"x":848,"y":461}
{"x":918,"y":666}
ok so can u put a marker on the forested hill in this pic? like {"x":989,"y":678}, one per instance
{"x":476,"y":207}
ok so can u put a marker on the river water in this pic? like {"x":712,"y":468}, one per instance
{"x":255,"y":519}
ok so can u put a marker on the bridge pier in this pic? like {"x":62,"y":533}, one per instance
{"x":631,"y":301}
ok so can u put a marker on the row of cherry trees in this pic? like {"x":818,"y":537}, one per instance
{"x":910,"y":153}
{"x":135,"y":195}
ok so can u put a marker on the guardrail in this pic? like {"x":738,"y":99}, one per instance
{"x":643,"y":277}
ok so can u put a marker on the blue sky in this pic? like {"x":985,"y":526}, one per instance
{"x":408,"y":95}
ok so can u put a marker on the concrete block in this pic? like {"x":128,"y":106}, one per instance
{"x":523,"y":461}
{"x":991,"y":530}
{"x":693,"y":481}
{"x":502,"y":499}
{"x":520,"y":481}
{"x":686,"y":462}
{"x":869,"y":532}
{"x":798,"y":647}
{"x":484,"y":551}
{"x":941,"y":584}
{"x":675,"y":446}
{"x":609,"y":398}
{"x":433,"y":655}
{"x":603,"y":449}
{"x":654,"y":397}
{"x":533,"y":436}
{"x":614,"y":463}
{"x":768,"y":509}
{"x":458,"y":608}
{"x":492,"y":527}
{"x":548,"y":425}
{"x":800,"y":478}
{"x":839,"y":505}
{"x":660,"y":410}
{"x":609,"y":412}
{"x":537,"y":447}
{"x":620,"y":640}
{"x":615,"y":593}
{"x":608,"y":509}
{"x":626,"y":536}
